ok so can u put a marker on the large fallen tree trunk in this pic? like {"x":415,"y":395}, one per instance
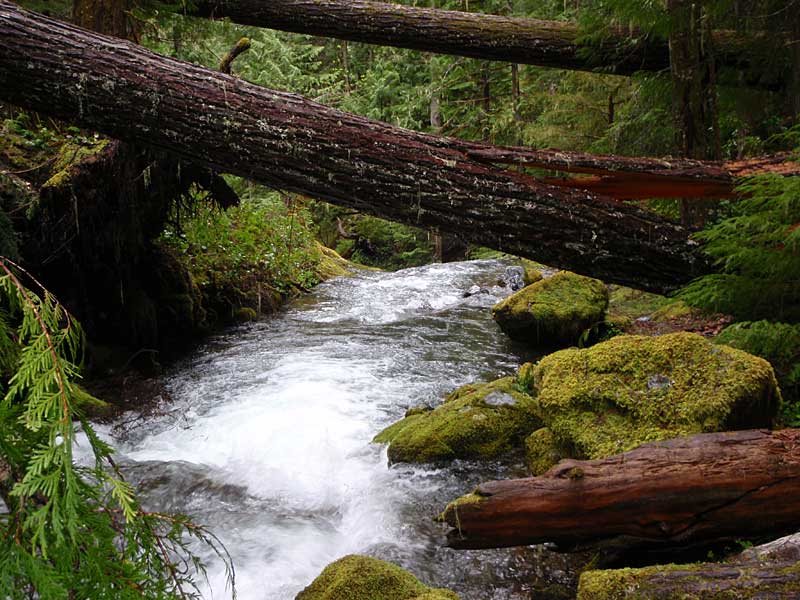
{"x":519,"y":40}
{"x":673,"y":494}
{"x":288,"y":142}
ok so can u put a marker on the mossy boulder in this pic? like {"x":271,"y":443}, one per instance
{"x":357,"y":577}
{"x":619,"y":394}
{"x":480,"y":421}
{"x":554,"y":312}
{"x":543,"y":451}
{"x":331,"y":264}
{"x":779,"y":343}
{"x":533,"y":272}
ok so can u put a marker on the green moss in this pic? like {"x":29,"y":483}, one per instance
{"x":244,"y":314}
{"x":542,"y":451}
{"x":779,"y":343}
{"x":553,"y":312}
{"x":70,"y":155}
{"x":330,"y":264}
{"x":481,"y":420}
{"x":89,"y":406}
{"x":635,"y":389}
{"x":673,"y":310}
{"x":533,"y":273}
{"x":356,"y":577}
{"x":453,"y":507}
{"x":628,"y":303}
{"x":647,"y":583}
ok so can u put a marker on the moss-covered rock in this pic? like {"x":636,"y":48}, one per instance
{"x":553,"y":312}
{"x":635,"y":389}
{"x":533,"y":273}
{"x":357,"y":577}
{"x":779,"y":343}
{"x":542,"y":451}
{"x":331,"y":264}
{"x":481,"y":420}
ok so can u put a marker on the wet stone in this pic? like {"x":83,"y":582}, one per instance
{"x":659,"y":382}
{"x":499,"y":399}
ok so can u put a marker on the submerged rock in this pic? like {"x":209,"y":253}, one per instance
{"x":553,"y":312}
{"x":619,"y":394}
{"x":481,"y":420}
{"x":355,"y":577}
{"x":514,"y":277}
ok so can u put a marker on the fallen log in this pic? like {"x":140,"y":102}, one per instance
{"x":702,"y":581}
{"x":489,"y":37}
{"x":674,"y":494}
{"x":770,"y":570}
{"x":288,"y":142}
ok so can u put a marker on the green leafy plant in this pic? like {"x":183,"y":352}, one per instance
{"x":71,"y":530}
{"x":263,"y":247}
{"x":757,"y":252}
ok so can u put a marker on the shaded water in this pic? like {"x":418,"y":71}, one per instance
{"x":268,"y":438}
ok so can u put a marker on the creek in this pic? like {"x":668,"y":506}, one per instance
{"x":267,"y":438}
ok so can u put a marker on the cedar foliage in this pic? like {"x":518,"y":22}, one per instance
{"x":757,"y":251}
{"x":72,"y":530}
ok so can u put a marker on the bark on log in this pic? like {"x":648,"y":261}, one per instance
{"x":489,"y":37}
{"x":288,"y":142}
{"x":702,"y":581}
{"x":678,"y":493}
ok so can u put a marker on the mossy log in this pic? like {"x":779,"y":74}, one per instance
{"x":768,"y":571}
{"x":680,"y":493}
{"x":291,"y":143}
{"x":555,"y":44}
{"x":701,"y":581}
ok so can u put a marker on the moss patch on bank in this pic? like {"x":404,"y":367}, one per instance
{"x":482,"y":420}
{"x":355,"y":577}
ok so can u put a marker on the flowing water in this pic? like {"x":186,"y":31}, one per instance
{"x":268,"y":437}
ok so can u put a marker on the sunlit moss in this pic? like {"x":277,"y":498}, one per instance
{"x":355,"y":577}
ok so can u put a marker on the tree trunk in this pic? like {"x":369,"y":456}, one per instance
{"x":701,"y":581}
{"x":694,"y":90}
{"x":664,"y":495}
{"x":489,"y":37}
{"x":290,"y":143}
